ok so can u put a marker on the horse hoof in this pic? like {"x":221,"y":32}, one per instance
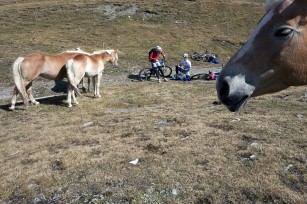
{"x":69,"y":106}
{"x":11,"y":108}
{"x":34,"y":103}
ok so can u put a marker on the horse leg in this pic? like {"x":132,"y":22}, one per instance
{"x":88,"y":84}
{"x":69,"y":92}
{"x":98,"y":84}
{"x":73,"y":83}
{"x":30,"y":94}
{"x":95,"y":85}
{"x":74,"y":99}
{"x":83,"y":85}
{"x":14,"y":98}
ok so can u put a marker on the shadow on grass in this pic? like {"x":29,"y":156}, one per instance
{"x":134,"y":77}
{"x":57,"y":100}
{"x":60,"y":86}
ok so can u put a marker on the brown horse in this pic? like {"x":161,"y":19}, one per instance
{"x":273,"y":59}
{"x":28,"y":68}
{"x":90,"y":66}
{"x":82,"y":83}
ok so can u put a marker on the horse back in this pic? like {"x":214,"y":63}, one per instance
{"x":80,"y":62}
{"x":54,"y":65}
{"x":32,"y":66}
{"x":90,"y":64}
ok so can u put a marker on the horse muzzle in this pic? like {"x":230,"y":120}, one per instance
{"x":233,"y":92}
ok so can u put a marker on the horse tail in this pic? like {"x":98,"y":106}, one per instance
{"x":18,"y":80}
{"x":70,"y":75}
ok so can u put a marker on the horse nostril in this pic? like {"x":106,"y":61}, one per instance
{"x":245,"y":97}
{"x":224,"y":90}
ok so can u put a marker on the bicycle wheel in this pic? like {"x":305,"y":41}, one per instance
{"x":200,"y":76}
{"x":167,"y":71}
{"x":197,"y":57}
{"x":145,"y":74}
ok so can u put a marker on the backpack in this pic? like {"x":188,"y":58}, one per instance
{"x":152,"y":50}
{"x":212,"y":76}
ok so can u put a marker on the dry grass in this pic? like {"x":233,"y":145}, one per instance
{"x":184,"y":141}
{"x":190,"y":148}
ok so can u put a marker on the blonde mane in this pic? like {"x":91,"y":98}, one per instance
{"x":102,"y":51}
{"x":271,"y":4}
{"x":78,"y":50}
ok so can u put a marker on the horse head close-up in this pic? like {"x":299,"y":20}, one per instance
{"x":114,"y":60}
{"x":273,"y":59}
{"x":112,"y":56}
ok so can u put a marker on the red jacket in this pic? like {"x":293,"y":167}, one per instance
{"x":154,"y":55}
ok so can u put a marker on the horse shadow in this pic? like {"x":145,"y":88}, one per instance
{"x":48,"y":100}
{"x":60,"y":86}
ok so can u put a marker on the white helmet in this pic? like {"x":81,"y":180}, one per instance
{"x":159,"y":48}
{"x":185,"y":55}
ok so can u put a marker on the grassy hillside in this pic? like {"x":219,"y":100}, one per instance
{"x":133,"y":27}
{"x":191,"y":149}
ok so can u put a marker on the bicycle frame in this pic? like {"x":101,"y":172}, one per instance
{"x":146,"y":73}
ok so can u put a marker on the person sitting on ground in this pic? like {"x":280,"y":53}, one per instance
{"x":184,"y":66}
{"x":154,"y":59}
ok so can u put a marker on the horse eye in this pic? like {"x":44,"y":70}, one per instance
{"x":283,"y":32}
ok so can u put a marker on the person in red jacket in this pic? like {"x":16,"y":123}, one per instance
{"x":154,"y":60}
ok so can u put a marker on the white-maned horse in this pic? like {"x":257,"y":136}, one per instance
{"x":274,"y":58}
{"x":89,"y":65}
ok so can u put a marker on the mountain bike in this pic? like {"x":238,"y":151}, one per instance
{"x":203,"y":76}
{"x":146,"y":73}
{"x":206,"y":57}
{"x":212,"y":75}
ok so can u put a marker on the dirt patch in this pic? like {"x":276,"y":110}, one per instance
{"x":115,"y":10}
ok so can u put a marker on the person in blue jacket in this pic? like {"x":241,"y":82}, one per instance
{"x":184,"y":66}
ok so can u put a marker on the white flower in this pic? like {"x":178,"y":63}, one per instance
{"x":134,"y":162}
